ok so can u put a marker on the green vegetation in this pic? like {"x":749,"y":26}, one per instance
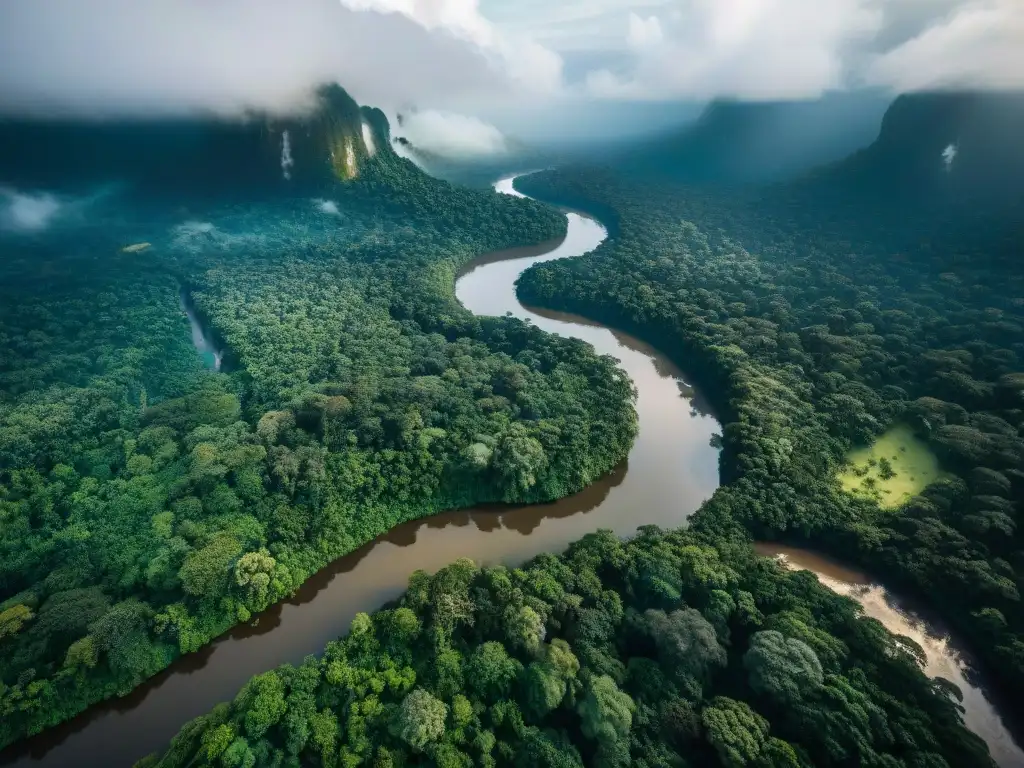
{"x":893,"y":469}
{"x":815,"y":317}
{"x":663,"y":651}
{"x":148,"y":504}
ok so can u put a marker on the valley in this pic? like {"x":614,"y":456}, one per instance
{"x":419,"y":505}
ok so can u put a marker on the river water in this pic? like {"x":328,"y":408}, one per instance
{"x":943,"y":657}
{"x":671,"y":469}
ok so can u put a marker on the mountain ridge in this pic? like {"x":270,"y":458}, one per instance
{"x":956,"y":146}
{"x":256,"y":151}
{"x":740,"y":142}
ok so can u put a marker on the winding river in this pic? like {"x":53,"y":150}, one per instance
{"x":671,"y":469}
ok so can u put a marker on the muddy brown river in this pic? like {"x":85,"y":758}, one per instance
{"x":943,"y":656}
{"x":671,"y":469}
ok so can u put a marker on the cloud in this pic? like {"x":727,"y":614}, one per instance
{"x":977,"y":45}
{"x":753,"y":49}
{"x":327,"y":206}
{"x":530,"y":65}
{"x":572,"y":25}
{"x":452,"y":135}
{"x":194,"y":236}
{"x":787,"y":49}
{"x":644,"y":33}
{"x":27,"y":212}
{"x":949,"y":155}
{"x":492,"y":58}
{"x":167,"y":56}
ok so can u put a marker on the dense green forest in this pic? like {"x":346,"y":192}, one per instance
{"x":660,"y":651}
{"x":816,"y":315}
{"x":147,"y":504}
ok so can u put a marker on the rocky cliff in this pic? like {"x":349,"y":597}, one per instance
{"x":256,"y":152}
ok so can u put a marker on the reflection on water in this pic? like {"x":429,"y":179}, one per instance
{"x":943,"y":656}
{"x":672,"y":468}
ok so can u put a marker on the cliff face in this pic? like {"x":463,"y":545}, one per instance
{"x":259,"y":153}
{"x":953,"y":147}
{"x":331,"y":137}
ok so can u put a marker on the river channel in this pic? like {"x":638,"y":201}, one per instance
{"x":671,"y":469}
{"x":943,"y":656}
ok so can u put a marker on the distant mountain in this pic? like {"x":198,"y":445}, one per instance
{"x":943,"y":180}
{"x":952,"y":147}
{"x":258,"y":152}
{"x":735,"y":142}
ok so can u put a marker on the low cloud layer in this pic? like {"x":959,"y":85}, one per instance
{"x":327,"y":206}
{"x":489,"y":57}
{"x":452,"y":135}
{"x":745,"y":48}
{"x":772,"y":49}
{"x":167,"y":56}
{"x":27,"y":212}
{"x":979,"y":44}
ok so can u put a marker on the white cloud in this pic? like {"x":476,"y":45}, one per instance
{"x":977,"y":45}
{"x":125,"y":56}
{"x":743,"y":48}
{"x":461,"y":17}
{"x":452,"y":135}
{"x":644,"y":33}
{"x":327,"y":206}
{"x":772,"y":49}
{"x":27,"y":212}
{"x":530,"y":65}
{"x":949,"y":155}
{"x":572,"y":25}
{"x":489,"y":57}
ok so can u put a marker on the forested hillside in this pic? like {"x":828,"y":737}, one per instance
{"x":818,"y":315}
{"x":663,"y":651}
{"x":195,"y":157}
{"x":148,"y":504}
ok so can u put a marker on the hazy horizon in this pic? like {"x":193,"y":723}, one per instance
{"x":476,"y":68}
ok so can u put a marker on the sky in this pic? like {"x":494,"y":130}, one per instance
{"x":467,"y":65}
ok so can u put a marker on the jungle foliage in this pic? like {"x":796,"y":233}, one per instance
{"x":147,"y":504}
{"x":816,"y":315}
{"x":660,"y":651}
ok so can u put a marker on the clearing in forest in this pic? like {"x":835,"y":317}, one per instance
{"x":891,"y":470}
